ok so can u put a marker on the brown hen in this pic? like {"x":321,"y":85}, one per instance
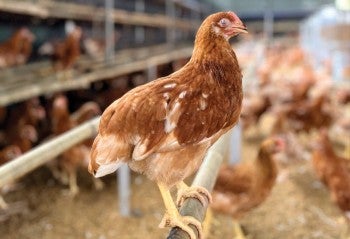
{"x":164,"y":128}
{"x":333,"y":171}
{"x":240,"y":188}
{"x":17,"y":49}
{"x":78,"y":155}
{"x":21,"y":124}
{"x":65,"y":53}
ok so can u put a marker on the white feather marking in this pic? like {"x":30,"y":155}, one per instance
{"x":135,"y":139}
{"x":202,"y":104}
{"x":139,"y":152}
{"x":170,"y":85}
{"x":216,"y":30}
{"x":104,"y":146}
{"x":205,"y":95}
{"x":170,"y":122}
{"x":105,"y":169}
{"x":166,"y":96}
{"x":182,"y":94}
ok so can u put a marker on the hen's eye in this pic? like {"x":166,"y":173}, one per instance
{"x":223,"y":22}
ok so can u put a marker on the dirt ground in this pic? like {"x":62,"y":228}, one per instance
{"x":298,"y":207}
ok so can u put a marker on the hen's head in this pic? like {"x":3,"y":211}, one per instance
{"x":26,"y":34}
{"x":273,"y":145}
{"x":222,"y":24}
{"x":28,"y":132}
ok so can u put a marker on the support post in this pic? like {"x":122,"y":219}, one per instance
{"x":170,"y":12}
{"x":109,"y":31}
{"x":151,"y":73}
{"x":123,"y":174}
{"x":236,"y":144}
{"x":139,"y":30}
{"x":268,"y":21}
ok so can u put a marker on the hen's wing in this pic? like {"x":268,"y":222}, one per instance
{"x":164,"y":115}
{"x":234,"y":179}
{"x":232,"y":190}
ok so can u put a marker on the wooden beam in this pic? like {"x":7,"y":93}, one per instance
{"x":45,"y":152}
{"x":54,"y":9}
{"x":28,"y":89}
{"x":206,"y":178}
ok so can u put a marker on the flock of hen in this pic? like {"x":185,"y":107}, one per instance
{"x":18,"y":49}
{"x":306,"y":109}
{"x":26,"y":124}
{"x":301,"y":101}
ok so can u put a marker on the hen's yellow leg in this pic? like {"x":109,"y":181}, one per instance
{"x":184,"y":191}
{"x":238,"y":230}
{"x":172,"y":217}
{"x":73,"y":186}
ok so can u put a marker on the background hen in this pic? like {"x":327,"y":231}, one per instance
{"x":78,"y":155}
{"x":17,"y":49}
{"x":240,"y":188}
{"x":64,"y":53}
{"x":333,"y":171}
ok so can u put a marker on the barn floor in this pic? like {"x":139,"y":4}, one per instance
{"x":299,"y":207}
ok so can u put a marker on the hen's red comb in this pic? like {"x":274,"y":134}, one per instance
{"x":234,"y":16}
{"x":280,"y":143}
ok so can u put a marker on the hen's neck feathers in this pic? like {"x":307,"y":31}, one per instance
{"x":265,"y":163}
{"x":209,"y":46}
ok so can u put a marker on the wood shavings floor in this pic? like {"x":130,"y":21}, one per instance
{"x":299,"y":207}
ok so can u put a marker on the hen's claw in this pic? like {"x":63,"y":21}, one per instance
{"x":182,"y":222}
{"x":199,"y":193}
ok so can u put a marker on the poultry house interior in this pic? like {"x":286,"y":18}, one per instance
{"x":167,"y":87}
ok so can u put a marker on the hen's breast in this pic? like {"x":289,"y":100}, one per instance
{"x":173,"y":166}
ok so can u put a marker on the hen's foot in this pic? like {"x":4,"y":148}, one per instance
{"x":183,"y":222}
{"x":199,"y":193}
{"x":73,"y":186}
{"x":172,"y":217}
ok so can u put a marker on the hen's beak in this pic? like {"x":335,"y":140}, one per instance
{"x":240,"y":28}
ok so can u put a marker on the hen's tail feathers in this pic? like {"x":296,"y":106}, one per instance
{"x":104,"y":157}
{"x":105,"y":169}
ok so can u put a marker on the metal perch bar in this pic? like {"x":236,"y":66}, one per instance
{"x":206,"y":178}
{"x":46,"y":152}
